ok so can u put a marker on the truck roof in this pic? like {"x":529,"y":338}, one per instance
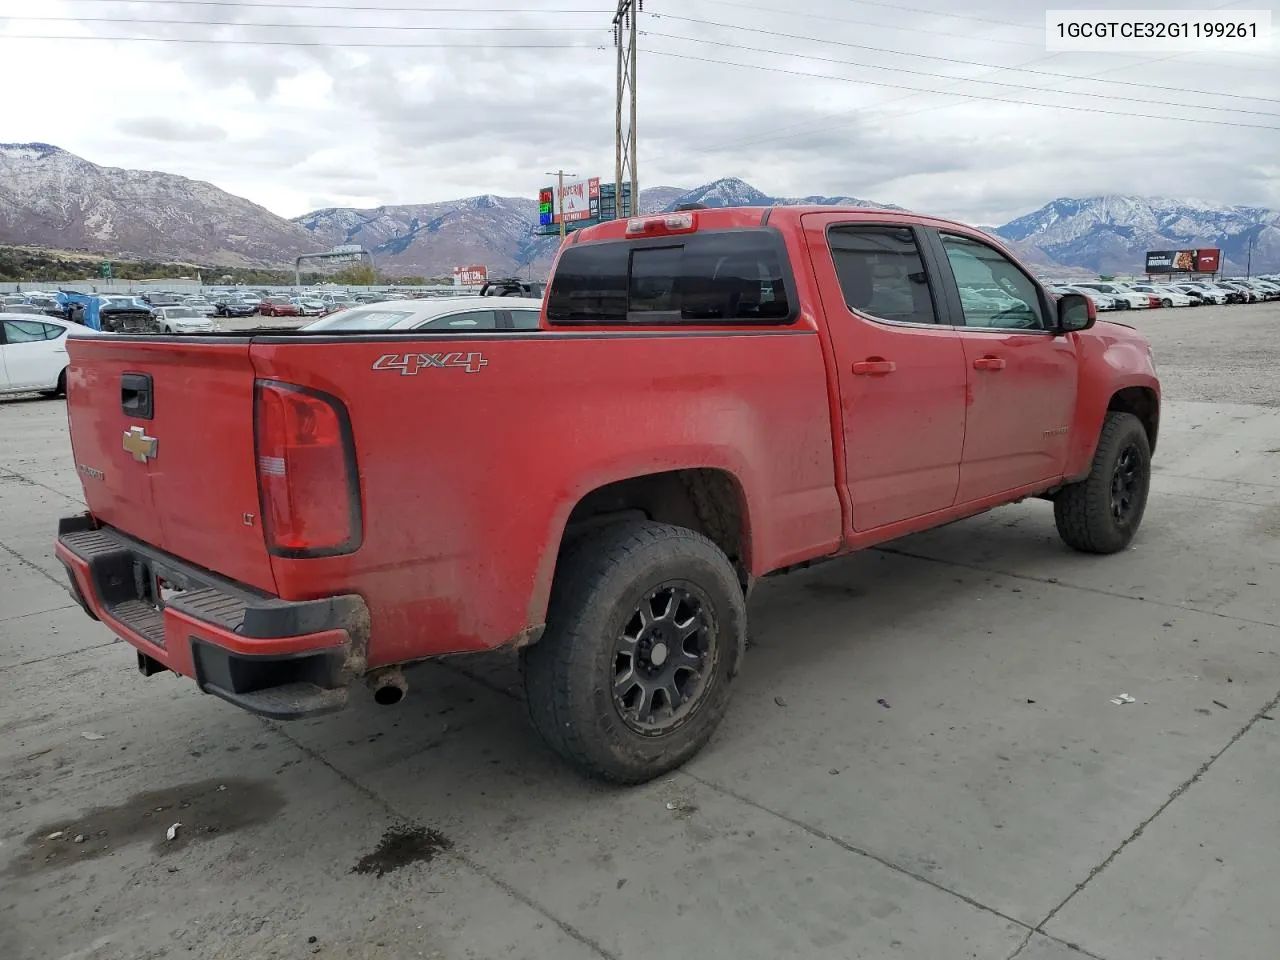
{"x":731,"y":218}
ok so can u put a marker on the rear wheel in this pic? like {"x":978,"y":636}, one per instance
{"x":1101,"y":513}
{"x":644,"y":632}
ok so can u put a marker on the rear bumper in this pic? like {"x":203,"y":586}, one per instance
{"x":276,"y":658}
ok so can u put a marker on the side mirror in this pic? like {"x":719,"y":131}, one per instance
{"x":1075,"y":312}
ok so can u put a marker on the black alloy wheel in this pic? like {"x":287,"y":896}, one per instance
{"x":1127,"y":485}
{"x":660,"y":659}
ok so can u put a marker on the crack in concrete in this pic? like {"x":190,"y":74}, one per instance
{"x":36,"y":613}
{"x":38,"y":569}
{"x":14,"y":475}
{"x":1181,"y":789}
{"x":564,"y":926}
{"x":56,"y":656}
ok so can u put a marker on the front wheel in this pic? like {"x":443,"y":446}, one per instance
{"x":645,"y":629}
{"x":1166,"y":303}
{"x":1102,"y":512}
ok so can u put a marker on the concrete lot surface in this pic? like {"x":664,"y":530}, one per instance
{"x":996,"y":804}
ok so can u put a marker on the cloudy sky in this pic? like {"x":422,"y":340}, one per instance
{"x":298,"y":104}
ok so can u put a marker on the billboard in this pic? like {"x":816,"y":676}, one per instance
{"x":581,"y":201}
{"x":1204,"y":260}
{"x":472,"y":276}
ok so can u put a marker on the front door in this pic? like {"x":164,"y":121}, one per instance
{"x":1022,"y":375}
{"x":900,"y":369}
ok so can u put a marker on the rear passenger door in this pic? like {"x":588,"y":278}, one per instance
{"x":1022,"y":375}
{"x":899,"y":365}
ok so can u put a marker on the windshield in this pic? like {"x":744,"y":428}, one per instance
{"x":361,"y":320}
{"x":178,"y":313}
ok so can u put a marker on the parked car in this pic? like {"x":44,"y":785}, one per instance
{"x":1168,"y":296}
{"x":1125,"y":298}
{"x":1247,"y":293}
{"x":183,"y":320}
{"x":201,"y":305}
{"x":1228,"y":294}
{"x":309,"y":307}
{"x":1102,"y":302}
{"x":1269,"y":291}
{"x":284,"y":539}
{"x":33,"y":353}
{"x":1200,"y":295}
{"x":235,"y":307}
{"x":457,"y":314}
{"x":277,"y":306}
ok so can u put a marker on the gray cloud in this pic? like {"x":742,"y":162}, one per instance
{"x":171,"y":130}
{"x":338,"y":119}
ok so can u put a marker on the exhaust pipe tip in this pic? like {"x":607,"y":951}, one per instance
{"x":389,"y":686}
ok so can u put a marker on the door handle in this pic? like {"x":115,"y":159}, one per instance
{"x":989,"y":363}
{"x":874,"y":367}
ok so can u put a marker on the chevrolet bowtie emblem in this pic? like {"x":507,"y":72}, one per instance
{"x":140,"y":445}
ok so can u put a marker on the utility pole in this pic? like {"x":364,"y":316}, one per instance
{"x":624,"y":39}
{"x":560,"y":175}
{"x":1248,"y":270}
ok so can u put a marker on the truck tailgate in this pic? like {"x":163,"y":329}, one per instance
{"x":180,"y":476}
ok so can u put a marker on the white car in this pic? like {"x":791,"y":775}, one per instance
{"x":1128,"y":299}
{"x":444,"y":313}
{"x":33,"y":353}
{"x":1169,"y":296}
{"x":182,"y":320}
{"x":309,"y":306}
{"x":201,"y":306}
{"x":1102,"y":302}
{"x":1201,"y":294}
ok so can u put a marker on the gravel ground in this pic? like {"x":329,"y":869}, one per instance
{"x":1218,"y":354}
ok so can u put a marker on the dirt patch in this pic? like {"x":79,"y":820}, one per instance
{"x":205,"y":810}
{"x":401,"y":846}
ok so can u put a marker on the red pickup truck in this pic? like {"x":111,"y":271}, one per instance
{"x":713,"y":396}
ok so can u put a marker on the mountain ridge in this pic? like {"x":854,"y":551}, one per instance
{"x":53,"y":197}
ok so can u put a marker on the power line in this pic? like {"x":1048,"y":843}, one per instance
{"x":346,"y":7}
{"x":966,"y":63}
{"x":306,"y":26}
{"x":954,"y":93}
{"x":215,"y":41}
{"x":869,"y":23}
{"x":994,"y":83}
{"x":914,"y":28}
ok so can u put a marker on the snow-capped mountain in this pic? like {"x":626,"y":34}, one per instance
{"x":51,"y":197}
{"x":1112,"y":233}
{"x":732,"y":192}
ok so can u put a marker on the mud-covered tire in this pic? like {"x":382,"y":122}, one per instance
{"x":571,"y":672}
{"x":1094,"y":515}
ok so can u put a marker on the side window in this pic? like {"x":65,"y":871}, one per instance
{"x":524,"y":319}
{"x":994,"y":293}
{"x":881,"y":273}
{"x":53,"y":332}
{"x":475,"y":320}
{"x":24,"y":331}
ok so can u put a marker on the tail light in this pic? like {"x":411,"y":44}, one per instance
{"x":307,"y":479}
{"x":661,"y":225}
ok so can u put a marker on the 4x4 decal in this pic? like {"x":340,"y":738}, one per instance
{"x":409,"y":364}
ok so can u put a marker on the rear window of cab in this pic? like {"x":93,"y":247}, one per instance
{"x":728,"y":276}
